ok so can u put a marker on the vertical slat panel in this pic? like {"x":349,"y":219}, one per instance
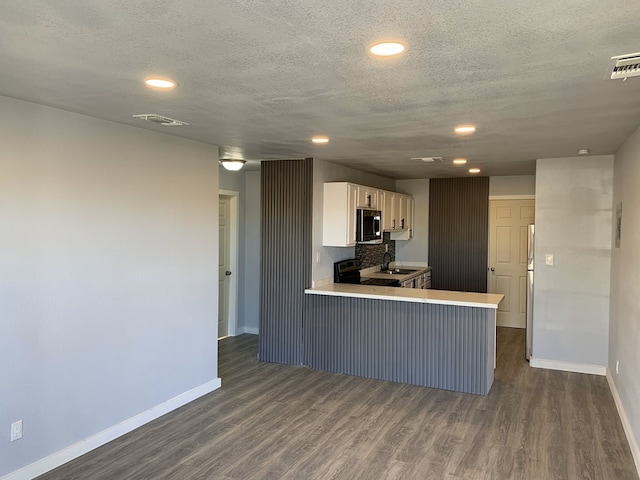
{"x":286,"y":223}
{"x":441,"y":346}
{"x":459,"y":233}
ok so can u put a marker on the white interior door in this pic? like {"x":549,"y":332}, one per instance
{"x":508,"y":220}
{"x":224,"y":266}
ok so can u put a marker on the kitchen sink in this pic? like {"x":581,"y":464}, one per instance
{"x":399,"y":271}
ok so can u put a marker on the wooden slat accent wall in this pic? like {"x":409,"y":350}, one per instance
{"x":459,"y":233}
{"x":286,"y":225}
{"x":442,"y":346}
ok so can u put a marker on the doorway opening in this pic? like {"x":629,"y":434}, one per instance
{"x":227,"y":263}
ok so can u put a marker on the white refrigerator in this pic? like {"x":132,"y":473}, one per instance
{"x":531,"y":239}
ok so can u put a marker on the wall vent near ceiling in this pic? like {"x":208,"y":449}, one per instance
{"x":625,"y":66}
{"x":429,"y":159}
{"x":166,"y":121}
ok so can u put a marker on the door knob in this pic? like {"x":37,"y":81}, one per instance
{"x":227,"y":273}
{"x":493,"y":269}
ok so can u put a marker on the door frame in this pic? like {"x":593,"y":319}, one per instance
{"x":233,"y":196}
{"x":501,"y":197}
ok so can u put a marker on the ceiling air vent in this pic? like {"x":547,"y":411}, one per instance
{"x":429,"y":159}
{"x":166,"y":121}
{"x":625,"y":66}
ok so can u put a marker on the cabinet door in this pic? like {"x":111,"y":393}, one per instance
{"x":352,"y":192}
{"x":367,"y":197}
{"x":401,"y":212}
{"x":388,"y":218}
{"x":410,"y":215}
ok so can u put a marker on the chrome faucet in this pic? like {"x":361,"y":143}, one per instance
{"x":386,"y":259}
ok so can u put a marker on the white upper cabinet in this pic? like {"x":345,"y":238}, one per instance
{"x":339,"y":214}
{"x":342,"y":199}
{"x":406,"y":215}
{"x":368,"y":197}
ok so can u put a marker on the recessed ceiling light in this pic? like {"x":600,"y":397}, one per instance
{"x":583,"y":151}
{"x":465,"y":129}
{"x":460,"y":161}
{"x":320,"y":139}
{"x":162,"y":83}
{"x":387,"y":49}
{"x":474,"y":170}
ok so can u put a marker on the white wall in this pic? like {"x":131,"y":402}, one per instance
{"x":512,"y":185}
{"x":624,"y":326}
{"x":416,"y":250}
{"x":108,"y":275}
{"x":329,"y":172}
{"x":571,"y":299}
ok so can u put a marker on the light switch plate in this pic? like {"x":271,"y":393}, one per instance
{"x":548,"y":259}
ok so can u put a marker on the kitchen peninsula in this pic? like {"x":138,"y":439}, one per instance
{"x":432,"y":338}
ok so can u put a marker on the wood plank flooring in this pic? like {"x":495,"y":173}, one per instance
{"x":272,"y":421}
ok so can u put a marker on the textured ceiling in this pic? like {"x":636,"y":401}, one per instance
{"x":260,"y":78}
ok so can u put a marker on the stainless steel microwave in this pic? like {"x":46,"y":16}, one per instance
{"x":368,"y":226}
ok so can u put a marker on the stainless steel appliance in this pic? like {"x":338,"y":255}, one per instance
{"x":368,"y":225}
{"x":348,"y":271}
{"x":531,"y":240}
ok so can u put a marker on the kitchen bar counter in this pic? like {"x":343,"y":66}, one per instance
{"x":441,"y":297}
{"x":431,"y":338}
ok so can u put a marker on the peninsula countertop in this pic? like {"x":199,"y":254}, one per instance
{"x":442,"y":297}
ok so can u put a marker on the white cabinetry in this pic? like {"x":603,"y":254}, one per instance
{"x":339,"y":214}
{"x":406,"y":214}
{"x":341,"y":199}
{"x":368,"y":197}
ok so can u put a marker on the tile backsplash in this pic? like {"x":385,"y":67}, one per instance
{"x":371,"y":255}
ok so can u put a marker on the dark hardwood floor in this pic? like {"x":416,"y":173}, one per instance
{"x":272,"y":421}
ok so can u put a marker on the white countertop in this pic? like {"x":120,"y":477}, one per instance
{"x":441,"y":297}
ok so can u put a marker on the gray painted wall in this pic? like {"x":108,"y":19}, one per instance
{"x":251,"y":291}
{"x":108,"y":274}
{"x":329,"y":172}
{"x":416,"y":250}
{"x":573,"y":222}
{"x":512,"y":185}
{"x":624,"y":326}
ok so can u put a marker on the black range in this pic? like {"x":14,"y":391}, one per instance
{"x":348,"y":271}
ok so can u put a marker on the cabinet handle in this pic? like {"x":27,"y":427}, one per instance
{"x":402,"y":224}
{"x":393,"y":225}
{"x":411,"y":233}
{"x":369,"y":201}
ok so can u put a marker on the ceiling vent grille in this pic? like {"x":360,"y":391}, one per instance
{"x":166,"y":121}
{"x":625,"y":66}
{"x":429,"y":159}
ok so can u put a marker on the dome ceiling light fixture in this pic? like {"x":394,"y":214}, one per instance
{"x":232,"y":164}
{"x":387,"y":49}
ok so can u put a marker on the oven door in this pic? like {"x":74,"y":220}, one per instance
{"x":368,"y":226}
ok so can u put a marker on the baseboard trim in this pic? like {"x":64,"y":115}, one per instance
{"x":626,"y":425}
{"x":67,"y":454}
{"x":567,"y":366}
{"x":250,"y":330}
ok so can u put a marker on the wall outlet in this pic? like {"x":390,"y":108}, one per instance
{"x":386,"y":247}
{"x":617,"y":367}
{"x":548,"y":259}
{"x":16,"y":430}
